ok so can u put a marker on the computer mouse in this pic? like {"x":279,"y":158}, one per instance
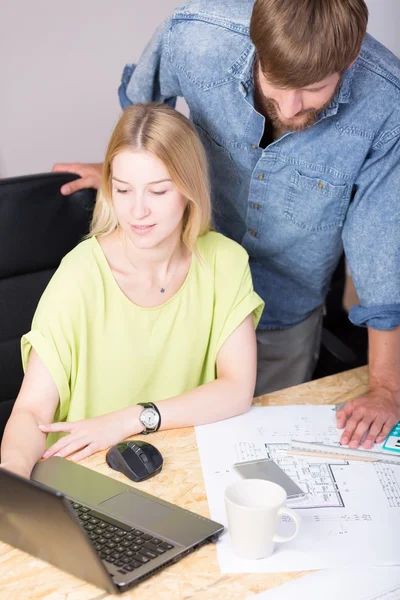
{"x":136,"y":459}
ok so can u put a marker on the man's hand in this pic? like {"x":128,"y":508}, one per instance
{"x":91,"y":435}
{"x":90,"y":176}
{"x":376,"y":412}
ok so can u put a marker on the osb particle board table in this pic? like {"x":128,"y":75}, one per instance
{"x":197,"y":576}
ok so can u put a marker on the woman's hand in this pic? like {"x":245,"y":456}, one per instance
{"x":91,"y":435}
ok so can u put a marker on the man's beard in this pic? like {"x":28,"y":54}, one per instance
{"x":298,"y":123}
{"x":269,"y":107}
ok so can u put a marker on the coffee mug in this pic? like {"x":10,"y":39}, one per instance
{"x":254,"y":508}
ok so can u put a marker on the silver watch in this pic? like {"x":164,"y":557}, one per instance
{"x":150,"y":417}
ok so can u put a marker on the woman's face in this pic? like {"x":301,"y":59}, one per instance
{"x":147,"y":204}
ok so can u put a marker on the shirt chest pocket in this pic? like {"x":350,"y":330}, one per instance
{"x":314,"y":204}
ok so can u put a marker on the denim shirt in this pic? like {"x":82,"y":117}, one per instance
{"x":295,"y":204}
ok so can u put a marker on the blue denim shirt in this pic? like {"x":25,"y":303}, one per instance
{"x":298,"y":202}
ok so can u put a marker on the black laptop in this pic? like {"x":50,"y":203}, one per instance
{"x":103,"y":531}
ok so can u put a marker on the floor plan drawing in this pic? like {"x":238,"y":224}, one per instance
{"x":317,"y":479}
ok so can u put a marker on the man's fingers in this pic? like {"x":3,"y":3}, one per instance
{"x":350,"y":428}
{"x":76,"y":185}
{"x":386,"y":429}
{"x":76,"y":169}
{"x":90,"y":176}
{"x":374,"y":431}
{"x":343,"y":414}
{"x":359,"y":432}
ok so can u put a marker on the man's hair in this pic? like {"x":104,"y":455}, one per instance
{"x":300,"y":42}
{"x":170,"y":137}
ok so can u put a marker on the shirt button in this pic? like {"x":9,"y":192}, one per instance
{"x":321,"y":185}
{"x":253,"y":233}
{"x":260,"y":176}
{"x":256,"y":206}
{"x":253,"y":147}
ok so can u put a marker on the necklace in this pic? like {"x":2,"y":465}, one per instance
{"x":163,"y":288}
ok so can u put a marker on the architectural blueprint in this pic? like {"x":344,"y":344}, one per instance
{"x":351,"y":514}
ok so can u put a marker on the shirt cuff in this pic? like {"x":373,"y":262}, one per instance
{"x":382,"y":316}
{"x":125,"y":79}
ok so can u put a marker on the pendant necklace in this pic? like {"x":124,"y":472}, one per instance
{"x":163,"y":289}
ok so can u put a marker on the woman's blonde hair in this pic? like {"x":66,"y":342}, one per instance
{"x":168,"y":135}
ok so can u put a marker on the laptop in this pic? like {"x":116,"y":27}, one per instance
{"x":103,"y":531}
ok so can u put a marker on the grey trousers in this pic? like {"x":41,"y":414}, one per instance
{"x":287,"y":357}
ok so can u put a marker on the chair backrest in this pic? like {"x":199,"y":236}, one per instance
{"x":38,"y":226}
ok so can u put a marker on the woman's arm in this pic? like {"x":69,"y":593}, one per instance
{"x":23,"y":442}
{"x":229,"y":395}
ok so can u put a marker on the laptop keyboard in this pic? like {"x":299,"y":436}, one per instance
{"x":117,"y":543}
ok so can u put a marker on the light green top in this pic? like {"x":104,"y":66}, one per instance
{"x":105,"y":353}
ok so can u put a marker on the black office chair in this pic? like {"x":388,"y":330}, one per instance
{"x":344,"y":346}
{"x":38,"y":226}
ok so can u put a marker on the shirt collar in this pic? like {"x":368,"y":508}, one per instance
{"x":242,"y":68}
{"x":342,"y":96}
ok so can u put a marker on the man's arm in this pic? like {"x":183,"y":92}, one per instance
{"x":153,"y":79}
{"x":378,"y":410}
{"x":371,"y":237}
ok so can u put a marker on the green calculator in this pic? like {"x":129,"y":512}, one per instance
{"x":392,"y":442}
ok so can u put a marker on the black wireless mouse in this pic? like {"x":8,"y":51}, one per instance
{"x":136,"y":459}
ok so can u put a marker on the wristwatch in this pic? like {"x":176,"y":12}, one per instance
{"x":150,"y":417}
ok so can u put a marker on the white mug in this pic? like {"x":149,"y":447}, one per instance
{"x":254,"y":507}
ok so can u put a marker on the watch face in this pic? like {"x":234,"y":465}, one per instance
{"x":149,"y":417}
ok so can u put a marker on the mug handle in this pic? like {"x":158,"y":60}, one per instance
{"x":295,"y":517}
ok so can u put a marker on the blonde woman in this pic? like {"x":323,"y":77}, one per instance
{"x":150,"y":322}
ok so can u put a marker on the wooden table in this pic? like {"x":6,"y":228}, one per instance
{"x":181,"y":482}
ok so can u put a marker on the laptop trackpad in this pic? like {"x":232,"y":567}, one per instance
{"x":136,"y":509}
